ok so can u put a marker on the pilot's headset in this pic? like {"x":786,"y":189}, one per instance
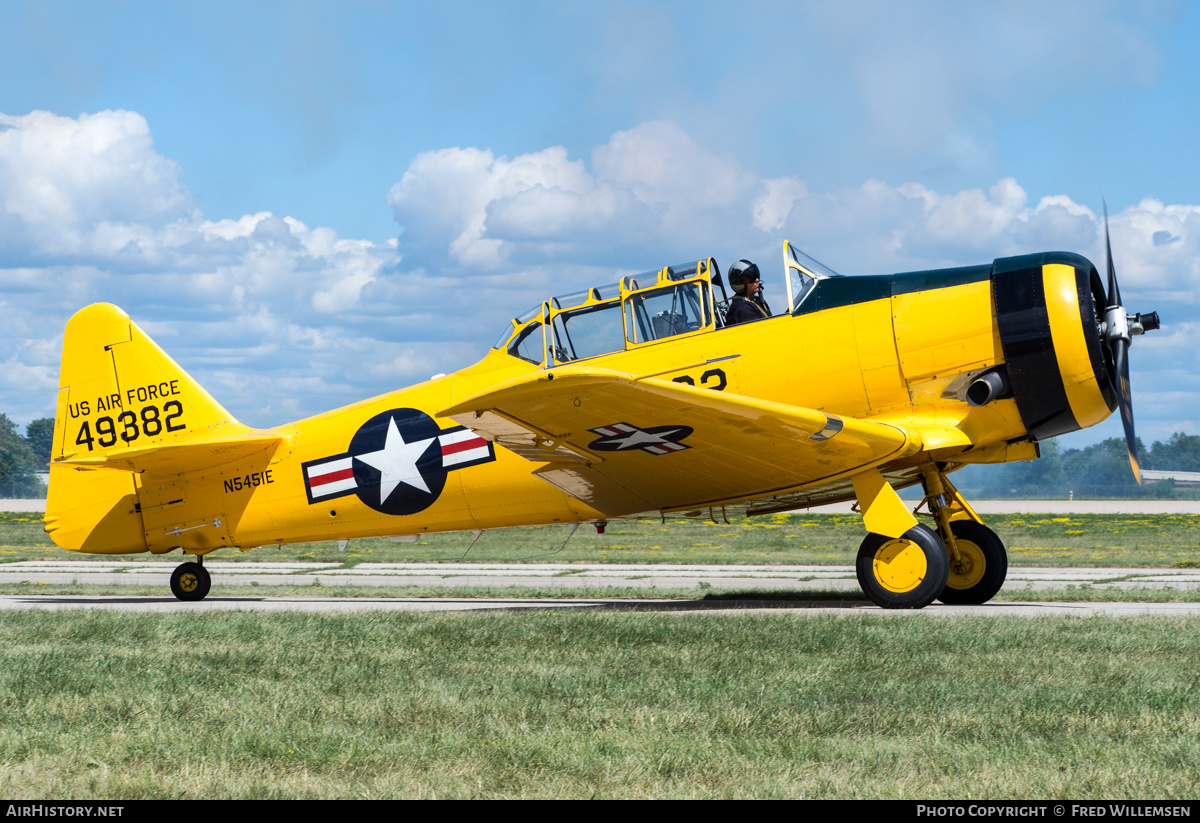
{"x":741,"y":273}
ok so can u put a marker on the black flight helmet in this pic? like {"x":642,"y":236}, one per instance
{"x":741,"y":273}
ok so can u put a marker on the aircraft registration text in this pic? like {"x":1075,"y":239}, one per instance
{"x":250,"y":481}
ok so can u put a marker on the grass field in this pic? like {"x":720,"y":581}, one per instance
{"x":559,"y":704}
{"x":1032,"y":540}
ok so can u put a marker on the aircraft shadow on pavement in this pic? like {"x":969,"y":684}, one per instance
{"x":107,"y":600}
{"x":733,"y":602}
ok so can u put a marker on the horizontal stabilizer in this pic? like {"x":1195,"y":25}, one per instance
{"x":177,"y":458}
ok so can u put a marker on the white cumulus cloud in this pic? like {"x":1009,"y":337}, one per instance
{"x":772,"y":207}
{"x":91,"y":184}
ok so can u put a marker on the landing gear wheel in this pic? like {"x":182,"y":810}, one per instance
{"x":907,"y":572}
{"x":190,"y":581}
{"x":982,"y":567}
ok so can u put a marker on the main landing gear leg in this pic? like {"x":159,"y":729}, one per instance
{"x":191,"y":581}
{"x":978,"y":561}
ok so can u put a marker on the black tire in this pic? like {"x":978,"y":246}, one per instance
{"x":908,"y":572}
{"x":983,"y":566}
{"x":190,"y":581}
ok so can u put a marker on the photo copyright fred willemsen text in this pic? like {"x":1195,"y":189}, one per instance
{"x":1056,"y":810}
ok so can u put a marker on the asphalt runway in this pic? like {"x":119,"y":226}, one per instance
{"x":228,"y":575}
{"x":231,"y":582}
{"x":229,"y":578}
{"x":346,"y":605}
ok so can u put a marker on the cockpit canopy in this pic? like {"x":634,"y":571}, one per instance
{"x":641,"y":310}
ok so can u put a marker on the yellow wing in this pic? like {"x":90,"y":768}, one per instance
{"x":626,"y":445}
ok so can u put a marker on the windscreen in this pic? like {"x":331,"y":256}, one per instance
{"x":803,"y":273}
{"x":528,"y":344}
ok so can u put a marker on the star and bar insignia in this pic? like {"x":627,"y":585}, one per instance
{"x":397,"y":462}
{"x":655,"y":440}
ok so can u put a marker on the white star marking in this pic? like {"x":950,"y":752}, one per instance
{"x":640,"y":438}
{"x":397,"y":462}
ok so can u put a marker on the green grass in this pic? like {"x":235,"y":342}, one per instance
{"x":562,"y":704}
{"x":1113,"y":540}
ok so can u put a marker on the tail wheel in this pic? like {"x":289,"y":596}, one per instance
{"x":906,"y":572}
{"x":190,"y":581}
{"x":981,"y":568}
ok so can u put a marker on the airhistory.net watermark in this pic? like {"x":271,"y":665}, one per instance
{"x":52,"y":810}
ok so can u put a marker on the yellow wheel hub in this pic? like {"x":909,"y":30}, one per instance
{"x":188,"y":582}
{"x":968,"y":571}
{"x":899,"y":566}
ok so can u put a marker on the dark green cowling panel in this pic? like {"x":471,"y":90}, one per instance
{"x":1019,"y":300}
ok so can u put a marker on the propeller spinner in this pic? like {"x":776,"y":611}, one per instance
{"x":1119,"y":329}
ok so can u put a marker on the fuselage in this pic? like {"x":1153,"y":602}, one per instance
{"x":898,"y":348}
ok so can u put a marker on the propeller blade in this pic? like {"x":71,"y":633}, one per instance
{"x":1120,"y":351}
{"x":1114,"y":293}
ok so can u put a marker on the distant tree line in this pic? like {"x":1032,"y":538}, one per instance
{"x":21,"y":456}
{"x":1100,"y":470}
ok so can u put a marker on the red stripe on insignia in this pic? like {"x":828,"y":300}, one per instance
{"x":463,"y":445}
{"x":331,"y":477}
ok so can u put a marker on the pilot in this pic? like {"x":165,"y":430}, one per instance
{"x":748,"y":303}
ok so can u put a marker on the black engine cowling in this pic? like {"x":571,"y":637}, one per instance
{"x":1049,"y":307}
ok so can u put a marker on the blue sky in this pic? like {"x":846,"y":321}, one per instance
{"x":311,"y":203}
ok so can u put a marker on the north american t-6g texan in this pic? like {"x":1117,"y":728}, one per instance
{"x":633,"y":400}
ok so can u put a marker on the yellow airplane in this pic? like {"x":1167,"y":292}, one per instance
{"x":633,"y":400}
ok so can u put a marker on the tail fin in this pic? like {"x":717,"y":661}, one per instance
{"x":119,"y":390}
{"x":125,"y":406}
